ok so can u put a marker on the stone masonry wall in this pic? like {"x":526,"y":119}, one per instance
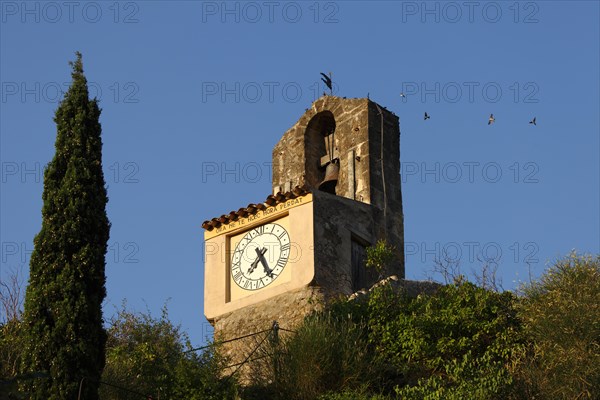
{"x":358,"y":136}
{"x":392,"y":205}
{"x":337,"y":219}
{"x":288,"y":309}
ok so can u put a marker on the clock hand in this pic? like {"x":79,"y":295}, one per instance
{"x":263,"y":261}
{"x":258,"y":258}
{"x":268,"y":272}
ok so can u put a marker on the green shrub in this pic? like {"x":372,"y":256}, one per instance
{"x":463,"y":342}
{"x":357,"y":394}
{"x":11,"y":347}
{"x":561,"y":314}
{"x":458,"y":343}
{"x":149,"y":355}
{"x":380,"y":256}
{"x":325,"y":354}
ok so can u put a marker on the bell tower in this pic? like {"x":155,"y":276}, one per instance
{"x":335,"y":191}
{"x":350,"y":148}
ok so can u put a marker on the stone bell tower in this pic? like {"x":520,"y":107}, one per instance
{"x":363,"y":140}
{"x":336,"y":190}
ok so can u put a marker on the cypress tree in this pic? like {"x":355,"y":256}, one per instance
{"x":64,"y":334}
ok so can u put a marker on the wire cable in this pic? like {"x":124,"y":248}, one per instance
{"x":249,"y":355}
{"x":227,"y":341}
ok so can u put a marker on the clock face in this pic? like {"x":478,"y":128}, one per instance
{"x":260,"y":256}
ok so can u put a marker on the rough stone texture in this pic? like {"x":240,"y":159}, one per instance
{"x":337,"y":221}
{"x":298,"y":159}
{"x":288,"y":309}
{"x":411,"y":288}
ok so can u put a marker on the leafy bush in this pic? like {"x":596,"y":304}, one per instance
{"x":325,"y":354}
{"x":380,"y":256}
{"x":456,"y":344}
{"x":148,"y":355}
{"x":460,"y":343}
{"x":358,"y":394}
{"x":463,"y":342}
{"x":561,"y":315}
{"x":11,"y":347}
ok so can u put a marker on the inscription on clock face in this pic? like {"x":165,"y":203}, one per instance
{"x":260,"y":256}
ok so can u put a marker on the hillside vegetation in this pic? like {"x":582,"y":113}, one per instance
{"x":462,"y":342}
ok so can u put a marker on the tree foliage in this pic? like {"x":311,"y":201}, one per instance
{"x":460,"y":342}
{"x":457,"y":343}
{"x":561,"y":316}
{"x":463,"y":341}
{"x":11,"y":326}
{"x":150,"y":356}
{"x":467,"y":341}
{"x":326,"y":354}
{"x":63,"y":315}
{"x":380,"y":256}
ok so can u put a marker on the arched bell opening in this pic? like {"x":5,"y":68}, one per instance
{"x":322,"y":165}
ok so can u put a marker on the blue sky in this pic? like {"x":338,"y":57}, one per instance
{"x":196,"y":94}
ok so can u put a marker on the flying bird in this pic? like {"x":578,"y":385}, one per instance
{"x":402,"y":94}
{"x":426,"y":117}
{"x":327,"y":80}
{"x":491,"y":120}
{"x":533,"y":121}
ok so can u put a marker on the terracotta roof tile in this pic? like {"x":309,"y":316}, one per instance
{"x":271,"y":200}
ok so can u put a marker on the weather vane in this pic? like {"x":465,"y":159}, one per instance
{"x":328,"y":82}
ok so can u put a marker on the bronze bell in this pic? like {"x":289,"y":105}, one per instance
{"x":332,"y":173}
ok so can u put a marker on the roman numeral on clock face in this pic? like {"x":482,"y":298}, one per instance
{"x":281,"y":263}
{"x":238,"y":275}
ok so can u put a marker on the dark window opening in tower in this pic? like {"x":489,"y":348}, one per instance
{"x":322,"y":164}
